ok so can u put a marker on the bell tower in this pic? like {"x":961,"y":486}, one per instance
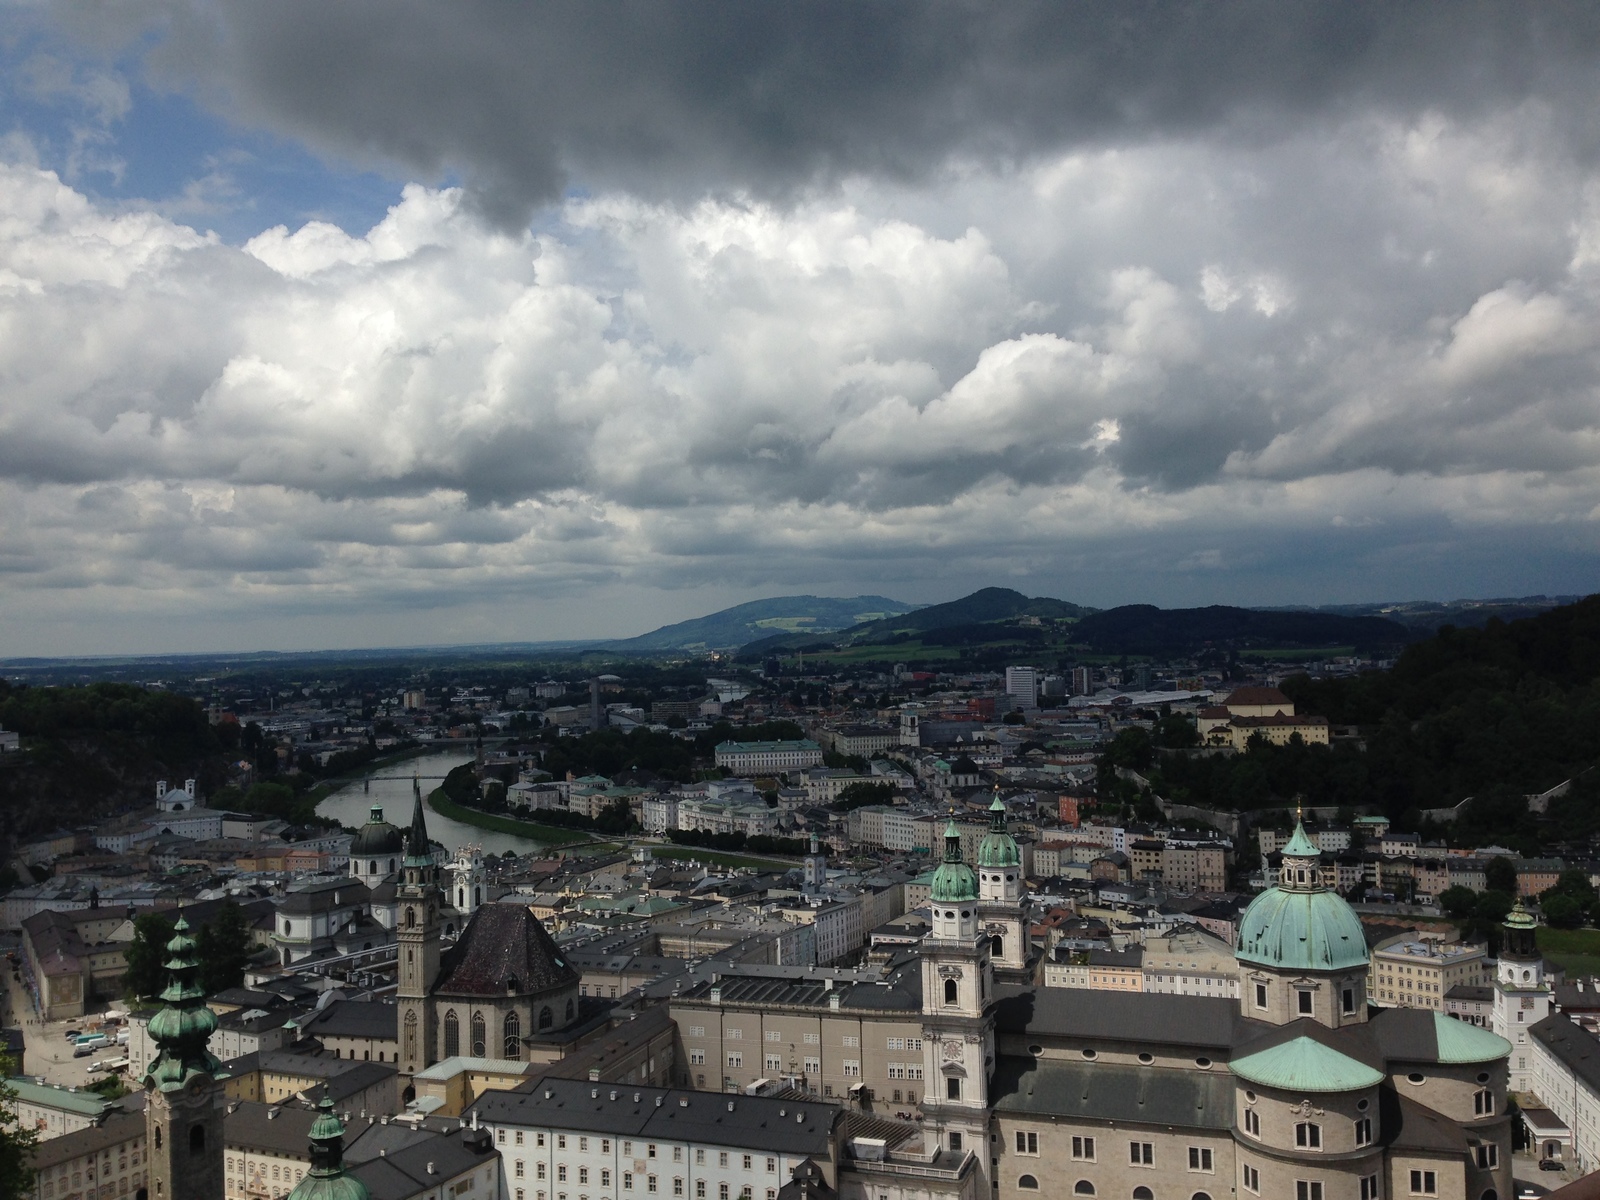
{"x":1521,"y":996}
{"x":1002,"y":904}
{"x":957,"y":1035}
{"x":183,"y":1104}
{"x":417,"y":901}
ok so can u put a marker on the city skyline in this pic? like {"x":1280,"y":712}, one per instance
{"x":329,"y":326}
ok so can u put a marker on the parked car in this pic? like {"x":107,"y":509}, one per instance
{"x":1550,"y":1164}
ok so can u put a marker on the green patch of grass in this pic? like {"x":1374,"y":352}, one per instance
{"x":1577,"y":950}
{"x":551,"y":835}
{"x":1300,"y":655}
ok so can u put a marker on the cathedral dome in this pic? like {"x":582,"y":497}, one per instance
{"x":954,"y":881}
{"x":376,"y":837}
{"x":1299,"y":925}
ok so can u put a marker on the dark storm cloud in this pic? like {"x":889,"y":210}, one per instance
{"x":673,"y":98}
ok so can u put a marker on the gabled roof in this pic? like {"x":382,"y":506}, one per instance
{"x":504,"y":950}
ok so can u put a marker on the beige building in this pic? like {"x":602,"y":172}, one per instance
{"x":106,"y":1159}
{"x":1190,"y":961}
{"x":1098,"y":971}
{"x":1418,"y":971}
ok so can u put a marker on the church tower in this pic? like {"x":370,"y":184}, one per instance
{"x":1002,"y":904}
{"x":957,"y":987}
{"x":466,"y":880}
{"x":183,"y":1102}
{"x":1521,"y":996}
{"x":327,"y":1179}
{"x":417,"y":902}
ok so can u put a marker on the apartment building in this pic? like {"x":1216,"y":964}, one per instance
{"x":1418,"y":972}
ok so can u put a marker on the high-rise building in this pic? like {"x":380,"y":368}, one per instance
{"x":1022,"y":684}
{"x":1083,"y":681}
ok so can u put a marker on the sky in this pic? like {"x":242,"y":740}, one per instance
{"x":334,"y":323}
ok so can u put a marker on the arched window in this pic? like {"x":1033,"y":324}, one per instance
{"x":391,"y":864}
{"x":452,"y":1034}
{"x":411,"y":918}
{"x":461,"y":897}
{"x":997,"y":946}
{"x":1490,"y":1194}
{"x":513,"y":1036}
{"x":546,"y":1017}
{"x":1028,"y":1182}
{"x":411,"y":1034}
{"x":197,"y":1139}
{"x":477,"y":895}
{"x":158,"y":1137}
{"x":949,"y":991}
{"x":1143,"y":1193}
{"x":479,"y":1049}
{"x":569,"y":1010}
{"x":1207,"y":1196}
{"x":372,"y":867}
{"x":1308,"y":1136}
{"x":1083,"y":1188}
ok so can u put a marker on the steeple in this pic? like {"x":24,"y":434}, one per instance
{"x":183,"y":1104}
{"x":417,"y":932}
{"x":418,"y":850}
{"x":184,"y":1026}
{"x":1302,"y":863}
{"x":327,"y":1179}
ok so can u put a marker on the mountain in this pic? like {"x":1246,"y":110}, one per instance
{"x":1431,"y":615}
{"x":1146,"y":629}
{"x":981,"y":607}
{"x":782,"y":616}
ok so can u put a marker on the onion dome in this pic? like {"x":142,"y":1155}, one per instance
{"x":327,"y":1179}
{"x":183,"y":1027}
{"x":954,"y":881}
{"x":998,"y":848}
{"x":1519,"y":943}
{"x":1299,"y":924}
{"x":376,"y":837}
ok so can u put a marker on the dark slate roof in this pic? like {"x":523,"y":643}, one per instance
{"x":341,"y":1076}
{"x":1576,"y":1048}
{"x":504,"y":949}
{"x":900,"y":992}
{"x":405,"y":1172}
{"x":756,"y":1122}
{"x":284,"y":1130}
{"x":1150,"y":1017}
{"x":354,"y":1018}
{"x":1114,"y":1092}
{"x":1405,"y":1034}
{"x":1467,"y":991}
{"x":1411,"y":1126}
{"x":118,"y":1127}
{"x":323,"y":894}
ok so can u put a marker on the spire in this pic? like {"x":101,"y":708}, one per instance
{"x":327,"y":1177}
{"x":182,"y":1028}
{"x":417,"y":847}
{"x":952,"y":842}
{"x":997,"y":812}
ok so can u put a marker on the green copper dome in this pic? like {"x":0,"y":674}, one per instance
{"x":998,"y":848}
{"x":327,"y":1180}
{"x":954,"y":881}
{"x":1309,"y":931}
{"x":1299,"y":925}
{"x":1305,"y":1065}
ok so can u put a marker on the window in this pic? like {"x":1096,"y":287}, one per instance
{"x":950,"y":994}
{"x":1083,"y":1188}
{"x":1303,"y":1002}
{"x":722,"y":1191}
{"x":699,"y":1158}
{"x":1252,"y":1122}
{"x":538,"y":1170}
{"x":583,"y":1174}
{"x":1369,"y":1187}
{"x":650,"y":1150}
{"x":452,"y":1034}
{"x":605,"y":1178}
{"x":677,"y":1185}
{"x":813,"y":1039}
{"x":697,"y":1058}
{"x":722,"y":1159}
{"x":813,"y":1066}
{"x":1483,"y":1103}
{"x":677,"y":1153}
{"x":774,"y":1064}
{"x":746,"y":1162}
{"x":772,"y":1035}
{"x":1261,"y":995}
{"x":513,"y":1036}
{"x":955,"y":1141}
{"x":1083,"y":1149}
{"x":699,"y":1189}
{"x":1142,"y":1154}
{"x":735,"y":1035}
{"x":561,"y":1141}
{"x":1308,"y":1189}
{"x":650,"y":1184}
{"x":479,"y":1043}
{"x":546,"y":1017}
{"x":1424,"y":1183}
{"x":852,"y":1068}
{"x":1027,"y":1143}
{"x":952,"y":1089}
{"x":1252,"y":1179}
{"x":1028,"y":1182}
{"x":1308,"y":1136}
{"x":561,"y":1172}
{"x":521,"y":1169}
{"x":1200,"y":1158}
{"x":1488,"y":1156}
{"x":1364,"y":1131}
{"x":1143,"y":1193}
{"x":735,"y":1059}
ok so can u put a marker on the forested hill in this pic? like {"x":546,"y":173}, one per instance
{"x":92,"y":750}
{"x":1146,"y":629}
{"x":1494,"y":714}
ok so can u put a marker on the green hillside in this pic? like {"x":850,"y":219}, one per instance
{"x":781,"y":616}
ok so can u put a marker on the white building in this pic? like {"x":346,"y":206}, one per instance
{"x":766,"y":758}
{"x":1521,"y":994}
{"x":1022,"y":685}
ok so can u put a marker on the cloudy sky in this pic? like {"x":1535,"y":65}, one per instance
{"x":334,"y":323}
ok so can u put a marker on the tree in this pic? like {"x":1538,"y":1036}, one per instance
{"x":16,"y":1144}
{"x":146,"y":975}
{"x":1460,"y":902}
{"x":1500,"y":875}
{"x":223,"y":949}
{"x":1562,"y":911}
{"x":861,"y":794}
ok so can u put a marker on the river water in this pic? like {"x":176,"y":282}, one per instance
{"x":391,"y":787}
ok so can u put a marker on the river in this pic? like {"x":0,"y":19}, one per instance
{"x":391,"y":787}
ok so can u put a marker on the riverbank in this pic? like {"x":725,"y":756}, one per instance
{"x":553,"y":835}
{"x":696,"y":853}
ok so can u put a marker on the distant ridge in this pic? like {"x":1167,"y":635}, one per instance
{"x":784,"y":616}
